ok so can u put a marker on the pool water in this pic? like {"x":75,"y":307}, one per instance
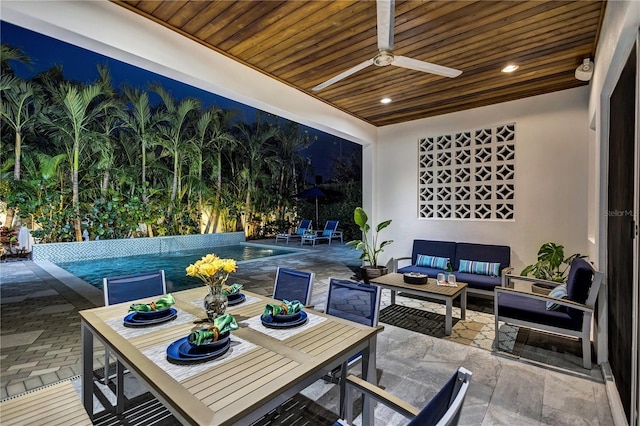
{"x":174,"y":264}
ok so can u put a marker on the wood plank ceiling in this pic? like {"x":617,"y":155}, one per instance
{"x":304,"y":43}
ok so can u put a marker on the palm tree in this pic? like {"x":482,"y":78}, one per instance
{"x":287,"y":161}
{"x":254,"y":140}
{"x":174,"y":131}
{"x":70,"y":118}
{"x":18,"y":109}
{"x":143,"y":123}
{"x":210,"y":138}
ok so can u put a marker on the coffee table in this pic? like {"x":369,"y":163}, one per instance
{"x":395,"y":282}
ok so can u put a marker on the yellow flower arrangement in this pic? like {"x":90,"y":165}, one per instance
{"x":212,"y":270}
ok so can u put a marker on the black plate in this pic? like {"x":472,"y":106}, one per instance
{"x":238,"y":299}
{"x":174,"y":356}
{"x":189,"y":350}
{"x":268,"y":321}
{"x":131,"y":320}
{"x":287,"y":317}
{"x":152,"y":314}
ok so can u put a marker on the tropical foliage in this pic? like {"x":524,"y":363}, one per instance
{"x":137,"y":162}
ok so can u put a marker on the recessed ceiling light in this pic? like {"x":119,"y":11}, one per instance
{"x":510,"y":68}
{"x":385,"y":100}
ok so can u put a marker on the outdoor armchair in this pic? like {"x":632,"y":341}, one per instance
{"x":569,"y":313}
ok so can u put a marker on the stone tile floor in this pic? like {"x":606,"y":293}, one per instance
{"x":40,"y":344}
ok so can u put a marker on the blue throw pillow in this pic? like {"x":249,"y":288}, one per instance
{"x":300,"y":231}
{"x":432,"y":261}
{"x":559,"y":292}
{"x":480,"y":268}
{"x":327,"y":233}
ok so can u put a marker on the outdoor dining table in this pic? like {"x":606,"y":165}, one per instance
{"x":263,"y":368}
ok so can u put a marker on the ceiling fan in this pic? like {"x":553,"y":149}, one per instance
{"x":385,"y":56}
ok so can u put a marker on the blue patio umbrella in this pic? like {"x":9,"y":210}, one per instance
{"x":313,"y":192}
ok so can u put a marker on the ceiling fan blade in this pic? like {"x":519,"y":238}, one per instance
{"x":344,"y":74}
{"x":385,"y":11}
{"x":414,"y":64}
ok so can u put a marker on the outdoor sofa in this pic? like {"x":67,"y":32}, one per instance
{"x":481,"y":266}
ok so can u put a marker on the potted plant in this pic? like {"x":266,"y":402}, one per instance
{"x":551,"y":266}
{"x":369,"y":248}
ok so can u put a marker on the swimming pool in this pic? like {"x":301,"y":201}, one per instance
{"x":174,"y":264}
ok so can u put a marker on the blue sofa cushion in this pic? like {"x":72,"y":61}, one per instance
{"x":432,"y":261}
{"x":431,"y":272}
{"x":533,"y":310}
{"x":433,"y":248}
{"x":483,"y":253}
{"x":481,"y":282}
{"x":482,"y":268}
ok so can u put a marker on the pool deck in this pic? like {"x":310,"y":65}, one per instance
{"x":40,"y":344}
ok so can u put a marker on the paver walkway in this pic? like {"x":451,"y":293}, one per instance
{"x":40,"y":327}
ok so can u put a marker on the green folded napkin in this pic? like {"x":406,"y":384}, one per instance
{"x":284,"y":308}
{"x":221,"y":325}
{"x":231,"y":289}
{"x":163,"y":303}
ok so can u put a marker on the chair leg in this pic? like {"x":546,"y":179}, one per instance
{"x":586,"y":352}
{"x":496,"y":338}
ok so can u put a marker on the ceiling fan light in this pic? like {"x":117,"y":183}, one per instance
{"x":385,"y":100}
{"x":510,"y":68}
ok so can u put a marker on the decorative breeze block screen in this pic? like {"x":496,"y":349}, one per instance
{"x":468,"y":175}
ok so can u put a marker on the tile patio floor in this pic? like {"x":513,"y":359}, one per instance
{"x":40,"y":344}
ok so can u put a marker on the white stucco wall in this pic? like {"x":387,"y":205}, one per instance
{"x":551,"y":180}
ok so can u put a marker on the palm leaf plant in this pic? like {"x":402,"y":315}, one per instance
{"x":368,"y":245}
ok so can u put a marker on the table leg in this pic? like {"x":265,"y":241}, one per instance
{"x":119,"y":387}
{"x":448,"y":319}
{"x":393,"y":297}
{"x":370,"y":375}
{"x":463,"y":304}
{"x":87,"y":369}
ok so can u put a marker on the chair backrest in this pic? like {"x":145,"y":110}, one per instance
{"x":305,"y":224}
{"x":330,"y":227}
{"x":583,"y":285}
{"x":125,"y":288}
{"x":292,"y":284}
{"x":444,"y":408}
{"x":354,"y":301}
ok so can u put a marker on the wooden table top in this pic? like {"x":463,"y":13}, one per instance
{"x":225,"y":392}
{"x":396,"y":280}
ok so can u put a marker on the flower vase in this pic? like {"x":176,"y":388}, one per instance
{"x":215,"y":302}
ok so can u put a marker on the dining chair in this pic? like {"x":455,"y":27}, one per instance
{"x":356,"y":302}
{"x":125,"y":288}
{"x":442,"y":410}
{"x":291,"y":284}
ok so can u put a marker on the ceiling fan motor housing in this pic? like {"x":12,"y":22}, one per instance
{"x":383,"y":58}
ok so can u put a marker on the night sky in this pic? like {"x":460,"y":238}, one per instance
{"x":80,"y":65}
